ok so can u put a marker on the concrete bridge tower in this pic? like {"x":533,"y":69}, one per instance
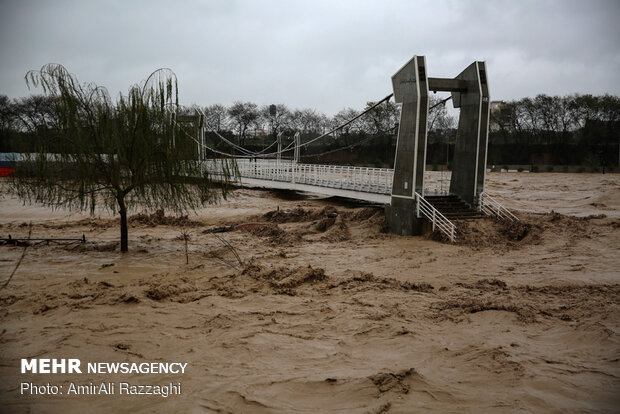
{"x":470,"y":93}
{"x":411,"y":91}
{"x":470,"y":153}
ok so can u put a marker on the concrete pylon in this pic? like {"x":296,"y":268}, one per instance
{"x":411,"y":92}
{"x":470,"y":153}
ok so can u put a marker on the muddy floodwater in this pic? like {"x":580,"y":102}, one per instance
{"x":309,"y":306}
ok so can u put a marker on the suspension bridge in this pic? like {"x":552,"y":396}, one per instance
{"x":416,"y":200}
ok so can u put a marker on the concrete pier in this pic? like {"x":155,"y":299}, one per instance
{"x":411,"y":91}
{"x":470,"y":153}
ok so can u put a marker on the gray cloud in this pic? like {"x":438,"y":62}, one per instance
{"x":321,"y":54}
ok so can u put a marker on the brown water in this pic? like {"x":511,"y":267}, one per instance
{"x":328,"y":314}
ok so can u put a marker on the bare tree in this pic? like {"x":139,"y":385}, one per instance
{"x":7,"y":118}
{"x":116,"y":155}
{"x":438,"y":116}
{"x":354,"y":127}
{"x":35,"y":112}
{"x":307,"y":121}
{"x":277,"y":117}
{"x":216,"y":117}
{"x":243,"y":115}
{"x":381,"y":119}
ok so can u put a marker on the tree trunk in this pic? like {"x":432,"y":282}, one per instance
{"x":124,"y":239}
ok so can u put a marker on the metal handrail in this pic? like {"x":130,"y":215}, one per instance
{"x":437,"y":219}
{"x":364,"y":179}
{"x":489,"y":206}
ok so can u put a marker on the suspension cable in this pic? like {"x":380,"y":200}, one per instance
{"x":378,"y":134}
{"x":240,"y":148}
{"x":346,"y":123}
{"x":252,"y":154}
{"x":314,"y":139}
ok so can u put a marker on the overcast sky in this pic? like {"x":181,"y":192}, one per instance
{"x":319,"y":54}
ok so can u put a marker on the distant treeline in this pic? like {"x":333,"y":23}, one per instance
{"x":569,"y":130}
{"x":574,"y":130}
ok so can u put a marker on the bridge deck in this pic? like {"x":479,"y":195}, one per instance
{"x":361,"y":183}
{"x":339,"y":192}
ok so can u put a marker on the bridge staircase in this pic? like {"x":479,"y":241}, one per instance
{"x":453,"y":208}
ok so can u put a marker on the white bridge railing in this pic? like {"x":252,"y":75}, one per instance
{"x":363,"y":179}
{"x":370,"y":180}
{"x":437,"y":219}
{"x":489,"y":206}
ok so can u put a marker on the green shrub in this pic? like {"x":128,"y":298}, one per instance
{"x":505,"y":167}
{"x":581,"y":169}
{"x":565,"y":168}
{"x":534,"y":168}
{"x":549,"y":168}
{"x":520,"y":169}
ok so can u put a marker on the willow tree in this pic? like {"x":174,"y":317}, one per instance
{"x":118,"y":155}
